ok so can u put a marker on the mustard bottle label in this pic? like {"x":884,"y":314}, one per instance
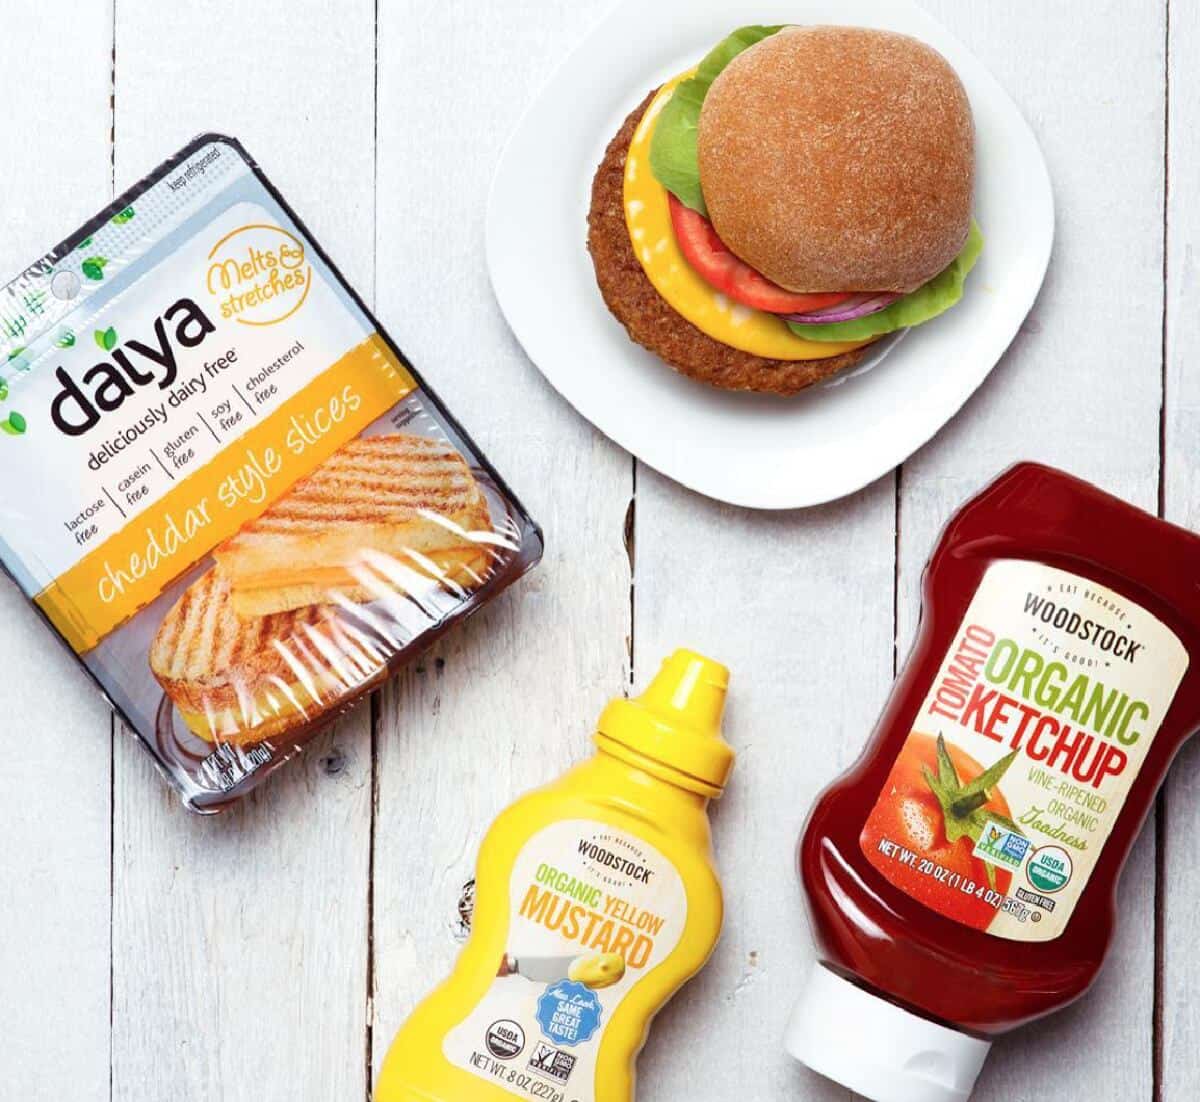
{"x":1039,"y":719}
{"x":593,"y":910}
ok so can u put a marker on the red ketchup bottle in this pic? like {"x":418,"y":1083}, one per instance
{"x":961,"y":876}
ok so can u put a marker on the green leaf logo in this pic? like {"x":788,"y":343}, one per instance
{"x":14,"y":424}
{"x":65,"y":338}
{"x":16,"y":352}
{"x":3,"y":389}
{"x":93,"y":267}
{"x":106,"y":338}
{"x":84,"y":243}
{"x":124,"y":216}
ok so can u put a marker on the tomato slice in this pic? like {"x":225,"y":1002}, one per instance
{"x":724,"y":272}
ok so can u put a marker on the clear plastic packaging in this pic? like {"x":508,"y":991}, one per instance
{"x":237,"y":504}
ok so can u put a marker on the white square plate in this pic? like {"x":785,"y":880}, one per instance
{"x":753,"y":450}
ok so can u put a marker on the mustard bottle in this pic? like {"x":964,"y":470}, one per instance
{"x":596,"y":899}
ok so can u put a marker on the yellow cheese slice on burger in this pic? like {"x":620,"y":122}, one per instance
{"x":648,"y":216}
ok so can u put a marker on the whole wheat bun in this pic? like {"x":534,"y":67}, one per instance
{"x":839,"y":159}
{"x":653,"y":322}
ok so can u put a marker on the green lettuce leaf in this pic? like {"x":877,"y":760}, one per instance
{"x":673,"y":157}
{"x":926,"y":302}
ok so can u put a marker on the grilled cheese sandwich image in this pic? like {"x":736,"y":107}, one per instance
{"x":273,"y":636}
{"x":241,"y":681}
{"x":398,"y":496}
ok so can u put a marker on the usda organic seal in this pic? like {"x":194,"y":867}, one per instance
{"x":505,"y":1039}
{"x":1049,"y":869}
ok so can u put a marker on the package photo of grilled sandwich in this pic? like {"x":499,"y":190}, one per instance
{"x":238,"y":505}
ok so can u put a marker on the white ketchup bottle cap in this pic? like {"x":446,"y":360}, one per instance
{"x":878,"y":1049}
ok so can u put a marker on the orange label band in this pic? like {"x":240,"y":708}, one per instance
{"x":131,"y":568}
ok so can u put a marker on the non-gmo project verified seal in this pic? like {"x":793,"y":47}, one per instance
{"x":1001,"y":846}
{"x":552,"y":1063}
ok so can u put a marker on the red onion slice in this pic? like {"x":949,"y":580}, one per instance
{"x":857,"y":307}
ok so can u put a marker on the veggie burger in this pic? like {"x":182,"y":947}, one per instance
{"x":759,"y":222}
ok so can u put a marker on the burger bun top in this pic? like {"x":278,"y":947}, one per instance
{"x":839,"y":159}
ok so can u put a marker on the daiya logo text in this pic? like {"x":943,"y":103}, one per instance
{"x":105,"y":386}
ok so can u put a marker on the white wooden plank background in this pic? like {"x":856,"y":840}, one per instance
{"x":55,"y":895}
{"x":272,"y":953}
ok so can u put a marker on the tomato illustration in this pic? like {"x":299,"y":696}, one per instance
{"x":934,"y":804}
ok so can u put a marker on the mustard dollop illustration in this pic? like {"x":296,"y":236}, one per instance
{"x":599,"y":971}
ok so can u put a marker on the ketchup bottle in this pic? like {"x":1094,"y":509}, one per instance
{"x":961,"y":877}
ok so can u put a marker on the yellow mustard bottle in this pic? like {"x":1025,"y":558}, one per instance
{"x":596,"y":899}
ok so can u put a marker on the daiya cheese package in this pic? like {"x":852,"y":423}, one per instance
{"x":237,"y":503}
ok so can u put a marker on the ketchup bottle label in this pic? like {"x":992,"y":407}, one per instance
{"x":1027,"y":744}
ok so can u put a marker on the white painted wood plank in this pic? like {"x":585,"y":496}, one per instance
{"x":1080,"y":388}
{"x":509,"y":700}
{"x":1181,"y":912}
{"x":799,"y":606}
{"x":240,"y":944}
{"x":55,"y":786}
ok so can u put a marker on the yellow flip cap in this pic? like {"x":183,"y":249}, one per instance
{"x":673,"y":730}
